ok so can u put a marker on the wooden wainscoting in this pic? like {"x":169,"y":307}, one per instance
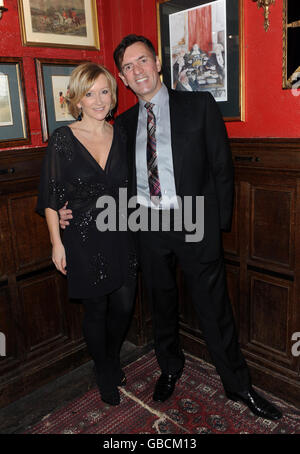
{"x":41,"y":326}
{"x":262,"y":252}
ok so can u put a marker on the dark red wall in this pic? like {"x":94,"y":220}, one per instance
{"x":11,"y":46}
{"x":270,"y":110}
{"x":121,"y":18}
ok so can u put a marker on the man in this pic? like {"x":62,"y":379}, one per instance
{"x":184,"y":82}
{"x":192,"y":80}
{"x":178,"y":146}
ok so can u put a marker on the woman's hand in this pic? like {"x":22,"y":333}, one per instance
{"x":59,"y":258}
{"x":64,"y":215}
{"x":58,"y":250}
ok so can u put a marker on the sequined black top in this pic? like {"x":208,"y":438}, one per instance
{"x":98,"y":262}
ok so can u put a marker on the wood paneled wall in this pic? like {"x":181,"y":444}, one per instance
{"x":262,"y":253}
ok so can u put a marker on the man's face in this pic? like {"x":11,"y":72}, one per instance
{"x":140,"y":71}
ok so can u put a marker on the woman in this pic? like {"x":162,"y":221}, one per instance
{"x":84,"y":161}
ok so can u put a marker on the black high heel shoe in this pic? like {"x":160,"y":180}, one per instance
{"x":111,"y":397}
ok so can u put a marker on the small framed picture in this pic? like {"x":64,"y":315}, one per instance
{"x":202,"y":49}
{"x":61,"y":23}
{"x":53,"y":83}
{"x":14,"y":130}
{"x":291,"y":37}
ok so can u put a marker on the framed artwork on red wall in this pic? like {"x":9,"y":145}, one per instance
{"x":291,"y":39}
{"x":52,"y":81}
{"x":201,"y":48}
{"x":14,"y":130}
{"x":59,"y":23}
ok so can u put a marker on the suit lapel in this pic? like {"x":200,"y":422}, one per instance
{"x":177,"y":121}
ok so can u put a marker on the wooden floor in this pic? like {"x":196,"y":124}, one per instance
{"x":32,"y":408}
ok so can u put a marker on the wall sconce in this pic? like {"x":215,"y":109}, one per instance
{"x":266,"y":5}
{"x":2,"y":8}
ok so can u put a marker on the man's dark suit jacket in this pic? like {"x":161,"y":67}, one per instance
{"x":201,"y":157}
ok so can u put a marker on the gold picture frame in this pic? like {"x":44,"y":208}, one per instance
{"x":47,"y":72}
{"x":234,"y":108}
{"x":44,"y":25}
{"x":291,"y":36}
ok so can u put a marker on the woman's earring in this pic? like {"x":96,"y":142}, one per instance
{"x":79,"y":118}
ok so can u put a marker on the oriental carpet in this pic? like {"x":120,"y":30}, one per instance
{"x":198,"y":406}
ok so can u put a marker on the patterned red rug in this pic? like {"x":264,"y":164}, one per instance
{"x":198,"y":406}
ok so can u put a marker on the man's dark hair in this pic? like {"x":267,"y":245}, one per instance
{"x":128,"y":41}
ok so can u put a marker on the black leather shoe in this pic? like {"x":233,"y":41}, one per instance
{"x":257,"y":404}
{"x":165,"y":386}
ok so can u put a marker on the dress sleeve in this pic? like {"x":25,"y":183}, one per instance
{"x":52,"y":189}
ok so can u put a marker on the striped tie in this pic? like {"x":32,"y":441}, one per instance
{"x":153,"y":178}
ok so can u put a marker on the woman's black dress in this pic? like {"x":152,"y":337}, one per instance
{"x":97,"y":262}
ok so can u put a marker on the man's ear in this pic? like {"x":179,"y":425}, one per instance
{"x":158,"y":64}
{"x":123,"y":78}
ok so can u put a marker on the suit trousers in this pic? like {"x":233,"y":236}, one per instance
{"x":160,"y":252}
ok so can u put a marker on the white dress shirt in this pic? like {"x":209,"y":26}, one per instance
{"x":161,"y":111}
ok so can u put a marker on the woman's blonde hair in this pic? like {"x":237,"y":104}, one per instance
{"x":82,"y":79}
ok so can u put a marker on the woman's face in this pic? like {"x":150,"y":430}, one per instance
{"x":96,"y":103}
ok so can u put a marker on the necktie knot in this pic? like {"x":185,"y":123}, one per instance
{"x":149,"y":106}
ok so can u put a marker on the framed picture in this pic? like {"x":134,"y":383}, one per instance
{"x":14,"y":130}
{"x":63,"y":23}
{"x":291,"y":39}
{"x":52,"y":81}
{"x":201,"y":46}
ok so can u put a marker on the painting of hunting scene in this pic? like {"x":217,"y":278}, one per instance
{"x":60,"y":17}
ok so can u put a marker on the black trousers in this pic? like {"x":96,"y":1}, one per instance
{"x":105,"y":324}
{"x":206,"y":284}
